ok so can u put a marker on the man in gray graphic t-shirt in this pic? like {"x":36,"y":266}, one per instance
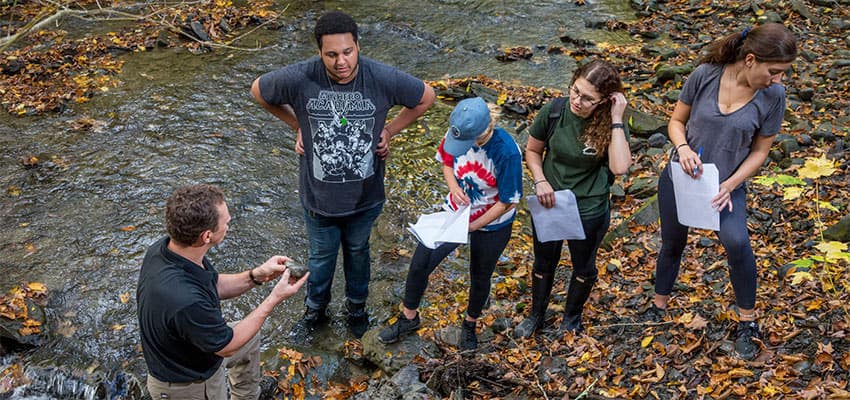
{"x":337,"y":103}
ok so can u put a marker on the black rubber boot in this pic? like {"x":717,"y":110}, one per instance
{"x":577,"y":295}
{"x":541,"y":287}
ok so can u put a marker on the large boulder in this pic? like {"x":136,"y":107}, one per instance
{"x":644,"y":124}
{"x":393,"y":357}
{"x":645,"y":215}
{"x":14,"y":332}
{"x":839,"y":232}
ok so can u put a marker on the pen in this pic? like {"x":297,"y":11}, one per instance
{"x":699,"y":154}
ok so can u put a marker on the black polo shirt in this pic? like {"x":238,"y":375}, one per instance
{"x":180,"y":316}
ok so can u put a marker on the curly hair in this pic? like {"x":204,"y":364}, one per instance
{"x":191,"y":210}
{"x":332,"y":23}
{"x":606,"y":80}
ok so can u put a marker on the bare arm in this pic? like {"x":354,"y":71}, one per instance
{"x":458,"y":195}
{"x":232,"y":285}
{"x":283,"y":112}
{"x":619,"y":154}
{"x":534,"y":161}
{"x":248,"y":327}
{"x":494,"y":212}
{"x":758,"y":153}
{"x":688,"y":158}
{"x":404,"y":118}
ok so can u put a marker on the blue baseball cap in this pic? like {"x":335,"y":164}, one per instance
{"x":469,"y":119}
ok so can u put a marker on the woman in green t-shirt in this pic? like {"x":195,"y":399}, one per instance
{"x":588,"y":146}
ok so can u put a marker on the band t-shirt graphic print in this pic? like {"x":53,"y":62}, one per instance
{"x":340,"y":173}
{"x":342,"y":124}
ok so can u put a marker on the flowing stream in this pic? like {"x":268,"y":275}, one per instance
{"x":81,"y":221}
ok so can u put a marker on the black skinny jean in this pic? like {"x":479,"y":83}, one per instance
{"x":733,"y":236}
{"x":582,"y":252}
{"x":484,"y":251}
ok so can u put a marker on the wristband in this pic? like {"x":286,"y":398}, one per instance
{"x":251,"y":275}
{"x":683,"y":144}
{"x":540,"y":181}
{"x":618,"y":125}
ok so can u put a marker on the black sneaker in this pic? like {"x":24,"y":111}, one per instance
{"x":399,"y":329}
{"x":745,"y":346}
{"x":302,"y":329}
{"x":653,"y":314}
{"x":468,"y":338}
{"x":358,"y":319}
{"x":268,"y":387}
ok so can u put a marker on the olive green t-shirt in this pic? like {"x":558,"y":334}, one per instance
{"x":570,"y":164}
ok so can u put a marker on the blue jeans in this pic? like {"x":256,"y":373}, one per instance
{"x":326,"y":234}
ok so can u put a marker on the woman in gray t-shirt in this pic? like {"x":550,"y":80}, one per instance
{"x":729,"y":111}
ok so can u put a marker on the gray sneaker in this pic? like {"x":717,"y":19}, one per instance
{"x":398,"y":330}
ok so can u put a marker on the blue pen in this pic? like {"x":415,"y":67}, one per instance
{"x":699,"y":154}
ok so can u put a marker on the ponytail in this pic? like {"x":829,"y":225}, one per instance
{"x":770,"y":42}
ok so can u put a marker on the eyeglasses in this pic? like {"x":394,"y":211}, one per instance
{"x":586,"y":100}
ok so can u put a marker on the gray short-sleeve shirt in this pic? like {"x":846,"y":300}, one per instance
{"x":340,"y":173}
{"x":726,"y":139}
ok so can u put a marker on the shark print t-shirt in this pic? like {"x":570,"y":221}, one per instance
{"x":487,"y":174}
{"x":341,"y":124}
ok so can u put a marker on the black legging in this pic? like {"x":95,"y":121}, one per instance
{"x":582,"y":252}
{"x":733,"y":235}
{"x":484,"y":251}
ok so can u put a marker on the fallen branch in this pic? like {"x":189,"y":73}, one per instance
{"x":536,"y":379}
{"x":36,"y":25}
{"x":632,"y":324}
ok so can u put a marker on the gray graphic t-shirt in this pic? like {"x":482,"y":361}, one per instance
{"x":726,"y":139}
{"x":340,"y":174}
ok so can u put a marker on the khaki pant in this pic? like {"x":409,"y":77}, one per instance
{"x":243,"y":370}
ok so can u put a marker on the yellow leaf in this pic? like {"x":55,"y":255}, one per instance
{"x":118,"y":327}
{"x":37,"y":287}
{"x":814,"y":305}
{"x":792,"y":192}
{"x":817,"y":167}
{"x":13,"y":191}
{"x":831,"y":247}
{"x":827,"y":205}
{"x":502,"y":97}
{"x":740,"y":373}
{"x":800,"y":277}
{"x":646,"y":341}
{"x":124,"y":297}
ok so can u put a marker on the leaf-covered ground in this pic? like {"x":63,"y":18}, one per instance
{"x":46,"y":70}
{"x":802,"y":295}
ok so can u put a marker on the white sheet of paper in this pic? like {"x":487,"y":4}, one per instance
{"x":693,"y":196}
{"x":561,"y":222}
{"x":432,"y":230}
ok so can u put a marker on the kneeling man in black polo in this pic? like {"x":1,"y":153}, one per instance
{"x":186,"y":342}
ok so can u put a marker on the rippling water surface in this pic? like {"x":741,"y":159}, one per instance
{"x":85,"y":216}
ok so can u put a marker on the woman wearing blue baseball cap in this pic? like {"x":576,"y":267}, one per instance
{"x":583,"y":149}
{"x":482,"y":166}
